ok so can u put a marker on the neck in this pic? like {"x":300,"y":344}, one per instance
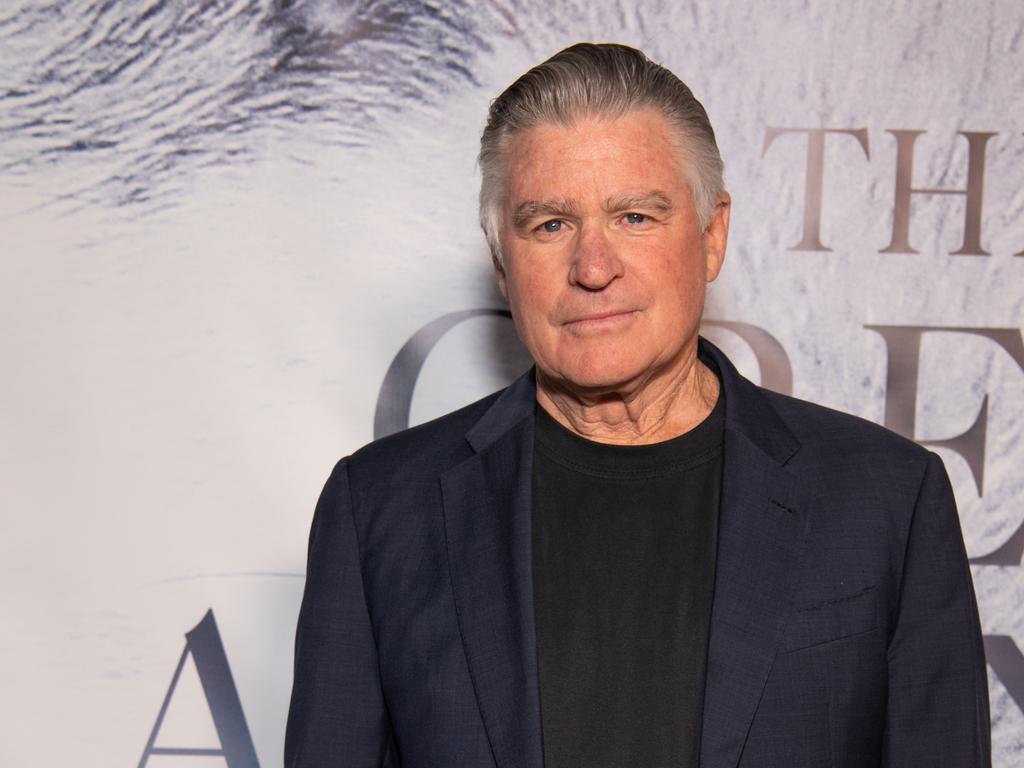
{"x":655,"y":409}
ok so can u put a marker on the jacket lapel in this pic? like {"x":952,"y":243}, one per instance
{"x":487,"y":526}
{"x":762,"y":527}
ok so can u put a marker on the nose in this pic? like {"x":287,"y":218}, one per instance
{"x":595,"y":264}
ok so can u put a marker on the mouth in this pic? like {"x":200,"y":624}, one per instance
{"x":600,"y":320}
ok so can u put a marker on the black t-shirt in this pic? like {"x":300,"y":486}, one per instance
{"x":624,"y":542}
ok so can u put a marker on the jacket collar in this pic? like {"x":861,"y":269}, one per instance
{"x":515,"y":404}
{"x":747,"y":411}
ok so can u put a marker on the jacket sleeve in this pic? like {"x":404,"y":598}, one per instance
{"x":337,"y":715}
{"x":938,"y":691}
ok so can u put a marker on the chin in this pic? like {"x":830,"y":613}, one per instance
{"x":601,"y":375}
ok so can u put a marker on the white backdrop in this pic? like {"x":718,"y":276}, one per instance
{"x":220,"y":222}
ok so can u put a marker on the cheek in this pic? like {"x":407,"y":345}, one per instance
{"x":531,"y":292}
{"x":678,"y":285}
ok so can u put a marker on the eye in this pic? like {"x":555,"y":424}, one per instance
{"x":550,"y":227}
{"x":635,"y":218}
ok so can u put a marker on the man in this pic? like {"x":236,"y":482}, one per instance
{"x":632,"y":556}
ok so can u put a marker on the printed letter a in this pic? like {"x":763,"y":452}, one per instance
{"x":207,"y":650}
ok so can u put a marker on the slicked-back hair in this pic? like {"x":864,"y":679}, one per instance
{"x":599,"y":80}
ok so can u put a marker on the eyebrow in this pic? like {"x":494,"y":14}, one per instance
{"x":654,"y":200}
{"x":531,"y":209}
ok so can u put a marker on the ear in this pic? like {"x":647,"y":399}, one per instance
{"x":715,"y":237}
{"x":499,"y":273}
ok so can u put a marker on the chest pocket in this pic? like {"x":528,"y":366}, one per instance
{"x":832,"y":620}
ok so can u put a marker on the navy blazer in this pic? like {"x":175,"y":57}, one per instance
{"x":844,"y":629}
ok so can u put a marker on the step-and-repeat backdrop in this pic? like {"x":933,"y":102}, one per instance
{"x":222,"y":222}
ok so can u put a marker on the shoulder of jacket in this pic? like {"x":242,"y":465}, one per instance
{"x":821,"y":429}
{"x":425,"y":449}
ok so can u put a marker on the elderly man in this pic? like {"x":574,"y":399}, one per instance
{"x":632,"y":556}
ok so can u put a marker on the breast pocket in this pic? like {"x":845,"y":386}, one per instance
{"x":829,"y":621}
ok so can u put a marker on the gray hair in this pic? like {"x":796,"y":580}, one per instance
{"x":599,"y":80}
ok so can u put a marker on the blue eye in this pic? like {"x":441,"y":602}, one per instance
{"x":551,"y":226}
{"x":635,"y":218}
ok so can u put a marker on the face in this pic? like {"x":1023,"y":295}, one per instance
{"x":605,"y":265}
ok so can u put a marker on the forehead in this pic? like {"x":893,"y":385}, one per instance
{"x":604,"y":155}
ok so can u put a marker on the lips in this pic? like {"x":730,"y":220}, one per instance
{"x":598,"y":319}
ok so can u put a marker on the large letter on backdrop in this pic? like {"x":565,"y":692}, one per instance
{"x":814,"y":183}
{"x":976,"y":143}
{"x":903,"y":349}
{"x":207,"y":650}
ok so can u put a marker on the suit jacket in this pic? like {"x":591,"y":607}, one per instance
{"x":844,"y":630}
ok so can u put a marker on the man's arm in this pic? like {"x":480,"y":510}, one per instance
{"x":337,"y":715}
{"x":938,"y":690}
